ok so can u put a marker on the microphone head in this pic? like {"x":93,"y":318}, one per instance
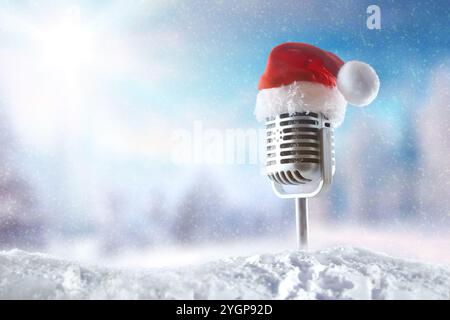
{"x":294,"y":148}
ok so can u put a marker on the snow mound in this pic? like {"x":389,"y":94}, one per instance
{"x":338,"y":273}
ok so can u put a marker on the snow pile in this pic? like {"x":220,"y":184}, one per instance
{"x":338,"y":273}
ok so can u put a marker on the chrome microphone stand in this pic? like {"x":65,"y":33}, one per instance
{"x":300,"y":161}
{"x":301,"y":217}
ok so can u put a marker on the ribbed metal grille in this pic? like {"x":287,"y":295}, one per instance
{"x":293,"y":143}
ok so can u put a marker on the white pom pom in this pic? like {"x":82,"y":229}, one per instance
{"x":358,"y":82}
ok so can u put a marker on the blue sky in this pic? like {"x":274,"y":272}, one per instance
{"x":218,"y":50}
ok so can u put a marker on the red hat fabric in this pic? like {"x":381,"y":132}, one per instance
{"x":293,"y":61}
{"x":300,"y":77}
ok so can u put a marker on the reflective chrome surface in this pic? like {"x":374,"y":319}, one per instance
{"x":293,"y":148}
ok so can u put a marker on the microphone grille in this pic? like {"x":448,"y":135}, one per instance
{"x":293,"y":147}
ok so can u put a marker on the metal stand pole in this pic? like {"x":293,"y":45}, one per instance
{"x":301,"y":214}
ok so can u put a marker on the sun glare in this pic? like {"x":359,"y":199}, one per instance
{"x":66,"y":46}
{"x":54,"y":68}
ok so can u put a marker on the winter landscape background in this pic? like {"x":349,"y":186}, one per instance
{"x":92,"y":92}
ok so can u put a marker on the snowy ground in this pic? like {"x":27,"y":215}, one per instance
{"x":405,"y":243}
{"x":337,"y":273}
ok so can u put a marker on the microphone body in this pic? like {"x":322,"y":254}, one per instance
{"x":300,"y":160}
{"x":303,"y":93}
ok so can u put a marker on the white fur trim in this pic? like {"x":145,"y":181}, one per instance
{"x":301,"y":96}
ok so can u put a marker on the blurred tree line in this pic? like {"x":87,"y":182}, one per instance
{"x":385,"y":173}
{"x":21,"y":222}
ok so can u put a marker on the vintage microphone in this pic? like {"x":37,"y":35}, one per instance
{"x":303,"y":96}
{"x":300,"y":161}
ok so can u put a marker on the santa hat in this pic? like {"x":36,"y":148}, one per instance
{"x":302,"y":78}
